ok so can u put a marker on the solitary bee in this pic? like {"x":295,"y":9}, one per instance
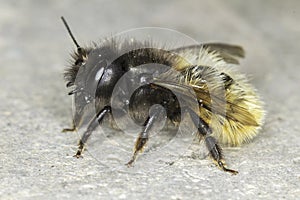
{"x":198,"y":82}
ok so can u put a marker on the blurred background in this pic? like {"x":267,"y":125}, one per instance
{"x":36,"y":158}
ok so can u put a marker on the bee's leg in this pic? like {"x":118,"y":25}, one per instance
{"x":73,"y":128}
{"x":144,"y":135}
{"x":211,"y":143}
{"x":91,"y":127}
{"x":216,"y":153}
{"x":77,"y":119}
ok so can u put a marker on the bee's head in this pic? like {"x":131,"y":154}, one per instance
{"x":92,"y":75}
{"x":76,"y":77}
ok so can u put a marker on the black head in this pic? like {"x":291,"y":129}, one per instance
{"x":92,"y":75}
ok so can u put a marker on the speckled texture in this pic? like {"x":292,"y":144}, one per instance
{"x":36,"y":158}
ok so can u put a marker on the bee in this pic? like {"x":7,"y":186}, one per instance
{"x":201,"y":82}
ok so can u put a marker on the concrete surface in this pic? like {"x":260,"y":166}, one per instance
{"x":36,"y":158}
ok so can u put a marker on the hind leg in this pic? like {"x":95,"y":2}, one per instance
{"x":212,"y":145}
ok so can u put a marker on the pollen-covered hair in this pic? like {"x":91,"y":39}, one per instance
{"x":226,"y":101}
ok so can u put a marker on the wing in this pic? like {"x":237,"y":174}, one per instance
{"x":205,"y":101}
{"x":226,"y":52}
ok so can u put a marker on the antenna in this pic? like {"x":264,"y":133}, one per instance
{"x":70,"y":33}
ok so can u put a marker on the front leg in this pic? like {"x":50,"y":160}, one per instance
{"x":72,"y":129}
{"x":91,"y":127}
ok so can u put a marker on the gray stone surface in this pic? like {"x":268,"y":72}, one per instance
{"x":36,"y":158}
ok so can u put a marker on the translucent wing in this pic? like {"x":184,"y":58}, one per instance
{"x":206,"y":99}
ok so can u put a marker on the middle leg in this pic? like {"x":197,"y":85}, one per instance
{"x":144,"y":135}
